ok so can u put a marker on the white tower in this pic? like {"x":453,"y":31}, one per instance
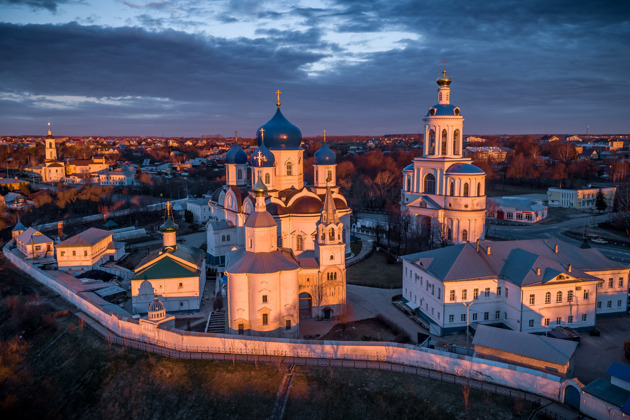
{"x":51,"y":148}
{"x":169,"y":229}
{"x":442,"y":191}
{"x":236,"y":166}
{"x":330,"y":247}
{"x":325,"y":167}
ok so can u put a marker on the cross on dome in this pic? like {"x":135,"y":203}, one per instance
{"x":324,"y":135}
{"x":262,"y":134}
{"x":260,"y":157}
{"x":278,"y":93}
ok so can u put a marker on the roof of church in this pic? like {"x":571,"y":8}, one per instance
{"x":86,"y":238}
{"x":261,"y":262}
{"x":236,"y":155}
{"x":260,"y":219}
{"x":325,"y":156}
{"x":514,"y":261}
{"x":442,"y":110}
{"x":166,"y":267}
{"x":279,"y":133}
{"x":464,"y":168}
{"x":408,"y":167}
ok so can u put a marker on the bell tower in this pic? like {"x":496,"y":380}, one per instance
{"x":51,"y":148}
{"x":330,"y":247}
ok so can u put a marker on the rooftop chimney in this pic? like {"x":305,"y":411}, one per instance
{"x":555,"y":249}
{"x":489,"y":250}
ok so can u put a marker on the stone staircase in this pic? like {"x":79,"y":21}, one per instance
{"x":217,"y":323}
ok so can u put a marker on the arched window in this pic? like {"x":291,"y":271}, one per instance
{"x":559,"y":297}
{"x":408,"y":183}
{"x":329,"y":176}
{"x":466,"y":189}
{"x":548,"y":297}
{"x":443,"y":142}
{"x":331,"y":233}
{"x":323,"y":234}
{"x":289,"y":168}
{"x":479,"y":190}
{"x":429,"y":184}
{"x":464,"y":235}
{"x":452,"y":188}
{"x":456,"y":142}
{"x":223,"y":238}
{"x":267,"y":179}
{"x":240,"y":174}
{"x":449,"y":234}
{"x":299,"y":243}
{"x":431,"y":142}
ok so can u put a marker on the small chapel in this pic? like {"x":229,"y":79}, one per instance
{"x":282,"y":244}
{"x":442,"y":190}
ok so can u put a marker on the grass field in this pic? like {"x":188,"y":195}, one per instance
{"x":375,"y":272}
{"x":55,"y":368}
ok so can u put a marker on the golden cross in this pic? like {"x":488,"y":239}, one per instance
{"x":278,"y":93}
{"x":260,"y":158}
{"x":262,"y":134}
{"x":324,"y":135}
{"x":236,"y":135}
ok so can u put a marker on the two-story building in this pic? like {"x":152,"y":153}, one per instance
{"x":87,"y":249}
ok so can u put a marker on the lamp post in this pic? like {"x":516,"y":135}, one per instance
{"x":467,"y":305}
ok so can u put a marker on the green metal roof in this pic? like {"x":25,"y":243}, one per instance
{"x":165,"y":268}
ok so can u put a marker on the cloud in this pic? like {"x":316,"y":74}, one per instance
{"x":151,"y":5}
{"x":50,"y":5}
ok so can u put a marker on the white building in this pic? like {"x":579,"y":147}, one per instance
{"x":53,"y":169}
{"x":32,"y":243}
{"x":442,"y":190}
{"x":529,"y":286}
{"x":524,"y":209}
{"x":199,"y":208}
{"x":176,"y":273}
{"x":579,"y":198}
{"x":87,"y":249}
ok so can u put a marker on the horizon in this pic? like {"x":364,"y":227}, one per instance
{"x":181,"y":68}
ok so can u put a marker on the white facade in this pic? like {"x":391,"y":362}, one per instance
{"x":88,"y":249}
{"x":582,"y":198}
{"x":34,"y":244}
{"x":525,"y":285}
{"x":442,"y":189}
{"x":199,"y":208}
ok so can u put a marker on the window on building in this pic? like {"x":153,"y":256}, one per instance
{"x":519,"y":216}
{"x":267,"y":179}
{"x":223,"y":238}
{"x":464,"y":294}
{"x":264,"y":298}
{"x":299,"y":243}
{"x":618,"y":303}
{"x":531,"y":323}
{"x":228,"y":238}
{"x":240,"y":174}
{"x":329,"y":176}
{"x":570,"y":319}
{"x":507,"y":292}
{"x":429,"y":184}
{"x":451,"y":295}
{"x":599,"y":305}
{"x":451,"y":318}
{"x":288,"y":324}
{"x":583,"y":317}
{"x":475,"y":293}
{"x":559,"y":320}
{"x":464,"y":235}
{"x":529,"y":217}
{"x":610,"y":282}
{"x":532,"y":299}
{"x":241,"y":329}
{"x":443,"y":142}
{"x":439,"y":295}
{"x":570,"y":296}
{"x":586,"y":294}
{"x":497,"y":314}
{"x":289,"y":168}
{"x":63,"y":253}
{"x":181,"y":285}
{"x":498,"y":291}
{"x":546,"y":322}
{"x":466,"y":189}
{"x":620,"y":281}
{"x":251,"y":243}
{"x":559,"y":297}
{"x":600,"y":284}
{"x":431,"y":146}
{"x":463,"y":317}
{"x":456,"y":142}
{"x":548,"y":297}
{"x":474,"y":316}
{"x":479,"y":190}
{"x":74,"y":253}
{"x":509,"y":215}
{"x":609,"y":304}
{"x":486,"y":316}
{"x":486,"y":292}
{"x":265,"y":319}
{"x":432,"y":310}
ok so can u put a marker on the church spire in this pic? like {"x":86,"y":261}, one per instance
{"x":329,"y":211}
{"x":49,"y":130}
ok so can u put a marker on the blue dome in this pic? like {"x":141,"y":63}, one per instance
{"x":408,"y":167}
{"x":280,"y":134}
{"x":464,"y":168}
{"x":444,"y":110}
{"x":263,"y":157}
{"x":236,"y":155}
{"x":325,"y":156}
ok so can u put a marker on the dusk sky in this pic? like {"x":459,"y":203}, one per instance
{"x":187,"y":68}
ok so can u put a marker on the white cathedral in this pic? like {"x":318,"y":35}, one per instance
{"x":282,"y":244}
{"x":441,"y":189}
